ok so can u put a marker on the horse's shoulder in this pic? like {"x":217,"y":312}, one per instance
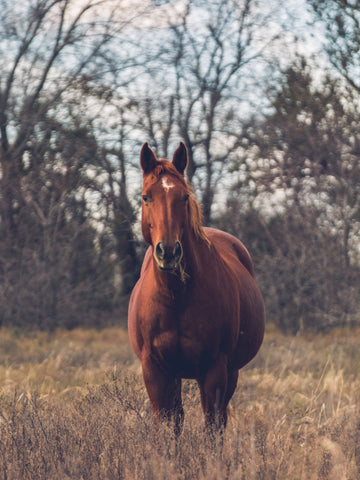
{"x":137,"y":290}
{"x":147,"y":260}
{"x":228,"y":245}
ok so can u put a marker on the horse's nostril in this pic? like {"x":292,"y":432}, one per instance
{"x":160,"y":250}
{"x":177,"y":251}
{"x":167,"y":253}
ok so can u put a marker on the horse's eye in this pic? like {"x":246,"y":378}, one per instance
{"x":145,"y":198}
{"x":186,"y":198}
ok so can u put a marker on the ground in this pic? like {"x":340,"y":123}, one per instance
{"x":73,"y":406}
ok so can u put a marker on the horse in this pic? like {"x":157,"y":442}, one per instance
{"x":196,"y":311}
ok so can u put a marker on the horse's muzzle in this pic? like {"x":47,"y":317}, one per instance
{"x":168,"y":257}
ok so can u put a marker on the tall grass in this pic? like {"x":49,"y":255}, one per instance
{"x":73,"y":406}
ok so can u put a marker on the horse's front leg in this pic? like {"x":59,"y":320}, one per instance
{"x":214,"y":399}
{"x":164,"y":393}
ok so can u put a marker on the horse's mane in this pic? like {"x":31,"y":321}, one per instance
{"x":195,"y":213}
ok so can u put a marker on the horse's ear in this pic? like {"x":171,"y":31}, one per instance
{"x":180,"y":158}
{"x":148,"y":159}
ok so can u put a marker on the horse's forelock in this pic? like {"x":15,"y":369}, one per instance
{"x":166,"y":167}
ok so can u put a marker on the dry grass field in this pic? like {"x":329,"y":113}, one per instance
{"x":73,"y":406}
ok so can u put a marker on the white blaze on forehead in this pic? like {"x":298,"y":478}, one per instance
{"x":167,"y":184}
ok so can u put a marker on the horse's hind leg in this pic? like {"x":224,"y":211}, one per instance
{"x":231,"y":386}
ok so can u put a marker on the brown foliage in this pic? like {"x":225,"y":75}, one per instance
{"x":73,"y":406}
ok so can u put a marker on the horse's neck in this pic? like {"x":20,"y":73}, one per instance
{"x":196,"y":254}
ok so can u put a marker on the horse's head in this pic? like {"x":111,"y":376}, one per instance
{"x":165,"y":205}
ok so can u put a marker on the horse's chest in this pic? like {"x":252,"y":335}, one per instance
{"x":165,"y":344}
{"x":183,"y":347}
{"x":177,"y":355}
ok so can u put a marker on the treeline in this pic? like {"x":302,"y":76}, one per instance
{"x":272,"y":134}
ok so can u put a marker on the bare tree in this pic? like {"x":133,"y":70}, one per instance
{"x":50,"y":262}
{"x":309,"y":150}
{"x":298,"y":193}
{"x":342,"y":25}
{"x":46,"y":45}
{"x":195,"y":86}
{"x":120,"y":212}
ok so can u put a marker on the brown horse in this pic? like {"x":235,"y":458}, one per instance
{"x":196,"y":311}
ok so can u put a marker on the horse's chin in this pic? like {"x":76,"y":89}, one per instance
{"x":168,"y":268}
{"x":175,"y":269}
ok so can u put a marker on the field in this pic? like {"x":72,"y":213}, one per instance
{"x":73,"y":406}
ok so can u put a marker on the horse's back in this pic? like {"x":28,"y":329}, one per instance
{"x":229,"y":246}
